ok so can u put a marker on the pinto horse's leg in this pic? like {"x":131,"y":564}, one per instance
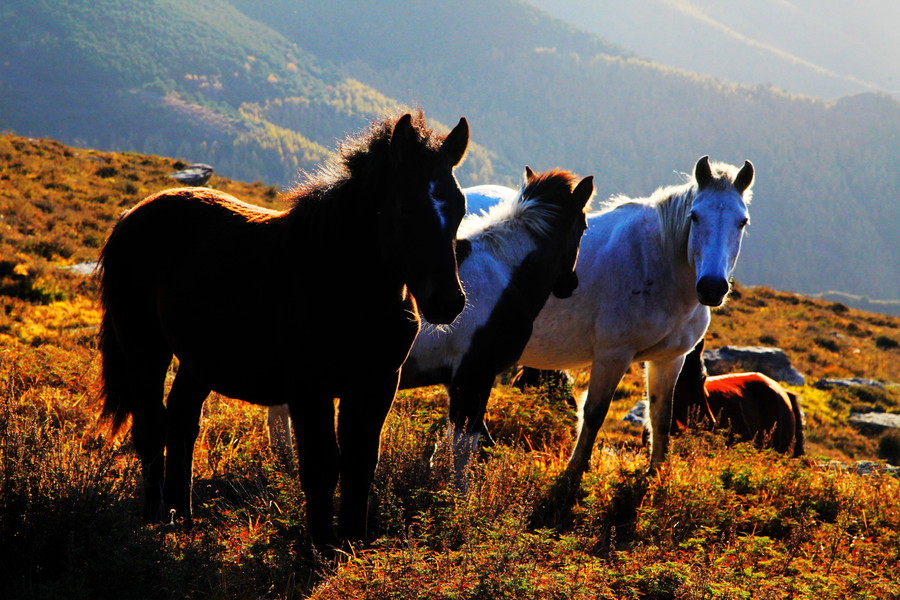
{"x":279,"y":426}
{"x":661,"y":378}
{"x":469,"y":393}
{"x":318,"y":459}
{"x":360,"y":419}
{"x":183,"y":407}
{"x":606,"y":372}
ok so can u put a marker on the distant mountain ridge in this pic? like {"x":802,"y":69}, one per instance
{"x":821,"y":48}
{"x":262,"y":90}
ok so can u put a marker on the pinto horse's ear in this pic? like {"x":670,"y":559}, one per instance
{"x":702,"y":172}
{"x":744,"y":178}
{"x":529,"y":174}
{"x":403,"y":137}
{"x":584,"y":190}
{"x":454,"y":145}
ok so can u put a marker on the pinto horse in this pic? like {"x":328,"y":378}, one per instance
{"x":750,"y":407}
{"x":649,"y":270}
{"x":257,"y":304}
{"x":511,"y":259}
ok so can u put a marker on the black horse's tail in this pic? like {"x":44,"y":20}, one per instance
{"x":799,"y":440}
{"x":114,"y":384}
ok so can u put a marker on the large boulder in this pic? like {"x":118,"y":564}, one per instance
{"x":762,"y":359}
{"x":876,"y":422}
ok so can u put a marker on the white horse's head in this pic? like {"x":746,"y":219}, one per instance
{"x":718,"y":218}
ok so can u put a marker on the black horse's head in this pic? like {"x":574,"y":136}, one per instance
{"x":427,"y":207}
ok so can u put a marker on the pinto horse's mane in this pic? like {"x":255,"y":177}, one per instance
{"x":529,"y":212}
{"x":673,"y":203}
{"x":360,"y":157}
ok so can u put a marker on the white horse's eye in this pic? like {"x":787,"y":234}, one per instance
{"x":744,"y":222}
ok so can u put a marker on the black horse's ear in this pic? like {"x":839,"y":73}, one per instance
{"x":454,"y":145}
{"x":403,"y":137}
{"x":584,"y":190}
{"x":529,"y":174}
{"x":744,"y":178}
{"x":702,"y":172}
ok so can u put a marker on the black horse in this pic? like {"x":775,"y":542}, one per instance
{"x":260,"y":305}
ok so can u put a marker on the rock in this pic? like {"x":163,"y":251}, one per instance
{"x":197,"y":174}
{"x":766,"y":360}
{"x":85,"y":268}
{"x":877,"y":421}
{"x":824,"y":384}
{"x":637,"y":414}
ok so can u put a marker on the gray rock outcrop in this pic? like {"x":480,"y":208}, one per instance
{"x":763,"y":359}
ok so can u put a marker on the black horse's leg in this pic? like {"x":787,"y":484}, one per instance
{"x":183,"y":408}
{"x":317,"y":453}
{"x":144,"y":367}
{"x":148,"y":434}
{"x":360,"y":419}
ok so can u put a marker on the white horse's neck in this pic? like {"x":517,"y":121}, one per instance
{"x":672,"y":207}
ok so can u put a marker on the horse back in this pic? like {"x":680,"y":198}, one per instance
{"x":754,"y":404}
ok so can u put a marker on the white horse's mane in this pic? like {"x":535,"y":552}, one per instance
{"x":673,"y":203}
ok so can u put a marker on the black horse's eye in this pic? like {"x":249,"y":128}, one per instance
{"x":694,"y":217}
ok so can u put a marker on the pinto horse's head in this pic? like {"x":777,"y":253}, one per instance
{"x":567,"y":281}
{"x":428,"y":207}
{"x":718,"y":218}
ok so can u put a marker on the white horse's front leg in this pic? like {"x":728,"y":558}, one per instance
{"x":661,"y":378}
{"x":606,"y":372}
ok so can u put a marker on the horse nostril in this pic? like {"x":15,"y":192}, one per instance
{"x":711,"y":290}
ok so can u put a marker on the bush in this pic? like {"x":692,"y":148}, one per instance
{"x":889,"y":447}
{"x":883,"y":342}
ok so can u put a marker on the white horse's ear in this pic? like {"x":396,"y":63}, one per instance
{"x":702,"y":172}
{"x":529,"y":174}
{"x":456,"y":142}
{"x":744,"y":178}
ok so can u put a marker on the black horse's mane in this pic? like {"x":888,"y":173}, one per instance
{"x":360,"y":158}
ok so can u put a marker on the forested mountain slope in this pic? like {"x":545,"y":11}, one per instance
{"x":195,"y":79}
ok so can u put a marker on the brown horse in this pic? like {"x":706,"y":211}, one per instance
{"x":750,"y":407}
{"x":263,"y":305}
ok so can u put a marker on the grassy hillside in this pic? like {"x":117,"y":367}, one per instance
{"x":715,"y":523}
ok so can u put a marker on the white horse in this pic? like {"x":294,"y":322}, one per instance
{"x":649,"y":270}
